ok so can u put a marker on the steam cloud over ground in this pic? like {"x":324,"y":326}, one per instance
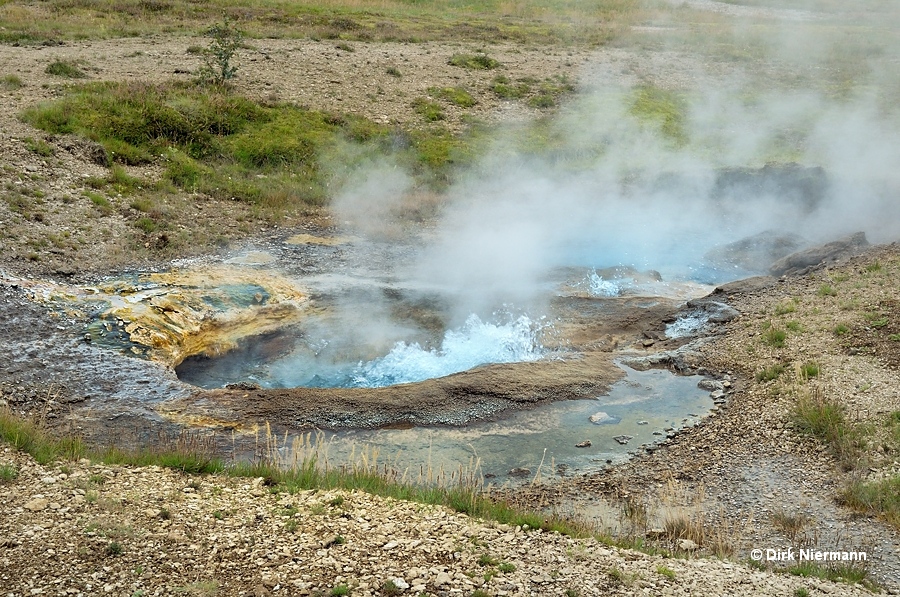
{"x":619,"y":188}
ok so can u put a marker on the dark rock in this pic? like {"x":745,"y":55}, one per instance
{"x":745,"y":286}
{"x":585,"y":444}
{"x":791,"y":184}
{"x":243,"y":385}
{"x":800,"y":261}
{"x":623,"y":439}
{"x":755,"y":253}
{"x":519,"y":472}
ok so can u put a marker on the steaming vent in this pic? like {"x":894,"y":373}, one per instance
{"x":330,"y":361}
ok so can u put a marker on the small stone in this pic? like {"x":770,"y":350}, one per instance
{"x":602,"y":418}
{"x":623,"y":439}
{"x":687,"y":545}
{"x":37,"y":504}
{"x":585,"y":444}
{"x":519,"y":472}
{"x":400,"y":583}
{"x":643,"y":423}
{"x":442,"y":579}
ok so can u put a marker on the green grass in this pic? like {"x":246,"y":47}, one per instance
{"x":785,"y":308}
{"x":774,"y":337}
{"x":841,"y":329}
{"x":455,"y":95}
{"x":825,"y":419}
{"x":479,"y":61}
{"x":146,"y":225}
{"x":507,"y":90}
{"x":190,"y":455}
{"x":851,"y":573}
{"x":879,"y":497}
{"x":667,"y":572}
{"x":826,"y":290}
{"x":11,"y":82}
{"x":340,"y":591}
{"x":531,"y":21}
{"x":770,"y":373}
{"x":65,"y":69}
{"x":211,"y":141}
{"x":810,"y":369}
{"x":429,"y":110}
{"x":100,"y":202}
{"x":39,"y":147}
{"x":8,"y":473}
{"x":662,"y":110}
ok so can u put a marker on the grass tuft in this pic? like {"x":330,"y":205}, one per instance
{"x":478,"y":61}
{"x":66,"y":69}
{"x":825,"y":419}
{"x":11,"y":82}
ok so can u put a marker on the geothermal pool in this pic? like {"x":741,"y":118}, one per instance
{"x":643,"y":408}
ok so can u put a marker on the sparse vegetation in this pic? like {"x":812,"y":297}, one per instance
{"x":478,"y":61}
{"x":825,"y":419}
{"x":219,"y":67}
{"x":429,"y":110}
{"x":455,"y":95}
{"x":662,"y":109}
{"x":340,"y":591}
{"x":65,"y":69}
{"x":11,"y":82}
{"x":774,"y":337}
{"x":770,"y":373}
{"x":664,"y":571}
{"x":826,"y":290}
{"x":8,"y":473}
{"x":39,"y":147}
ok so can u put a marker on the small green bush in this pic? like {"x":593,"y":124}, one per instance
{"x":478,"y":61}
{"x":826,"y":290}
{"x":114,"y":549}
{"x":66,"y":69}
{"x":225,"y":40}
{"x":393,"y":71}
{"x":340,"y":591}
{"x":39,"y":147}
{"x":841,"y":329}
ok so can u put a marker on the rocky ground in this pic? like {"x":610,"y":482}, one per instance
{"x":84,"y":529}
{"x":747,"y":469}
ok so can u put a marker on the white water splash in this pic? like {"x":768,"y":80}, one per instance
{"x":687,"y":325}
{"x":476,"y":343}
{"x":600,"y":287}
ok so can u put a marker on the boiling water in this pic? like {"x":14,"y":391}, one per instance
{"x":643,"y":406}
{"x":326,"y":360}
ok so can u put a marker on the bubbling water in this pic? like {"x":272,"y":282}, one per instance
{"x":475,"y":343}
{"x":600,"y":287}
